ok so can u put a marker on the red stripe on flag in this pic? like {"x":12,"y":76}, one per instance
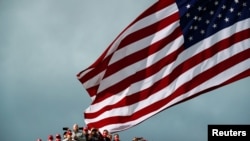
{"x":149,"y":30}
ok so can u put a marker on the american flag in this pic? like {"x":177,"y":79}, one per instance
{"x":172,"y":52}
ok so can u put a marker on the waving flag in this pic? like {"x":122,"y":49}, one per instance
{"x":172,"y":52}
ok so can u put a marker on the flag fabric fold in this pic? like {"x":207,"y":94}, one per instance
{"x":172,"y":52}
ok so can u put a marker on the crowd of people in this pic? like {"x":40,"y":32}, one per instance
{"x":86,"y":134}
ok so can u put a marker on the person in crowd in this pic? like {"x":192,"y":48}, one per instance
{"x":116,"y":137}
{"x":58,"y":137}
{"x":77,"y":134}
{"x":95,"y":135}
{"x":85,"y":132}
{"x":69,"y":136}
{"x":50,"y":138}
{"x":105,"y":134}
{"x":64,"y":135}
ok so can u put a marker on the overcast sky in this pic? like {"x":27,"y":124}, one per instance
{"x":45,"y":43}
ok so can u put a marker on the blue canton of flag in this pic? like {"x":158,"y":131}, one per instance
{"x":200,"y":18}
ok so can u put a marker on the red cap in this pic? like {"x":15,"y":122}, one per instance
{"x":69,"y":133}
{"x":85,"y":129}
{"x":50,"y":137}
{"x":58,"y":136}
